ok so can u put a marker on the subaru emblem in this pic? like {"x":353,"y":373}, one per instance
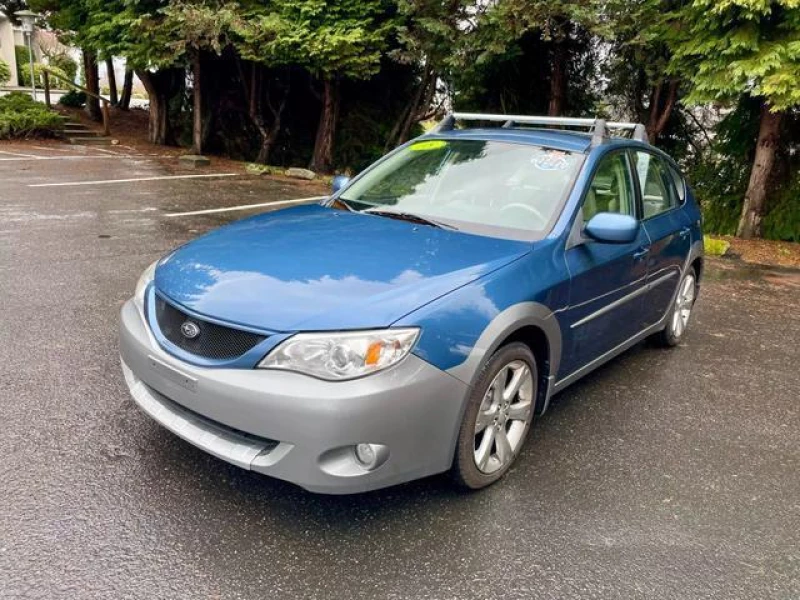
{"x":190,"y":330}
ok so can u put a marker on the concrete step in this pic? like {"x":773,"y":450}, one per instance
{"x":90,"y":141}
{"x":80,"y":132}
{"x":76,"y":125}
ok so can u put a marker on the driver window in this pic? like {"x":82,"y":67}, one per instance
{"x":611,"y":189}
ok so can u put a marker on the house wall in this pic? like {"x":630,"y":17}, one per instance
{"x":7,"y":47}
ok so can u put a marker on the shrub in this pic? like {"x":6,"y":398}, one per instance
{"x":21,"y":117}
{"x":23,"y":68}
{"x":73,"y":99}
{"x":24,"y":71}
{"x":5,"y":72}
{"x":782,"y":221}
{"x":68,"y":66}
{"x":715,"y":247}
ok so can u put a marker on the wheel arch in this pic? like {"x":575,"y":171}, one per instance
{"x":535,"y":338}
{"x":530,"y":323}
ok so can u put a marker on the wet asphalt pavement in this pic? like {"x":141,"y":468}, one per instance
{"x":666,"y":474}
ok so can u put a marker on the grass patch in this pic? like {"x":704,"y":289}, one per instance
{"x":715,"y":247}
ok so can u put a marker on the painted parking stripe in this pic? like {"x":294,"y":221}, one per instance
{"x":133,"y":180}
{"x":212,"y":211}
{"x":18,"y":154}
{"x":82,"y":157}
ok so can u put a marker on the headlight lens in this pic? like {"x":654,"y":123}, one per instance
{"x":342,"y":356}
{"x":144,"y":281}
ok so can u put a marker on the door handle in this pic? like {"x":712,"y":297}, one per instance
{"x":640,"y":254}
{"x":684,"y":233}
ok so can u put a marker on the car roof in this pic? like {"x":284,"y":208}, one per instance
{"x":569,"y":141}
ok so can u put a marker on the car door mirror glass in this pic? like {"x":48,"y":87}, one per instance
{"x":612,"y":228}
{"x":339,"y":182}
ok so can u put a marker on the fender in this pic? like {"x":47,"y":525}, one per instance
{"x":505,"y":324}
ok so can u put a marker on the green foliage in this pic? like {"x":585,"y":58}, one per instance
{"x":5,"y":72}
{"x":21,"y":117}
{"x":65,"y":64}
{"x":782,"y":222}
{"x":23,"y":65}
{"x":715,"y":247}
{"x":342,"y":39}
{"x":73,"y":99}
{"x":38,"y":71}
{"x":732,"y":47}
{"x":720,"y":175}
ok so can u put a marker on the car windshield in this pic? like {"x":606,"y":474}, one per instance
{"x":484,"y":187}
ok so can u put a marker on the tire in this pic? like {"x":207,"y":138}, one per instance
{"x":504,"y":404}
{"x":680,"y":312}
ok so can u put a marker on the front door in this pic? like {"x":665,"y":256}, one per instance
{"x":607,"y":281}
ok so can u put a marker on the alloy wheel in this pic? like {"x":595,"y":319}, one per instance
{"x":503,"y":417}
{"x":683,"y":306}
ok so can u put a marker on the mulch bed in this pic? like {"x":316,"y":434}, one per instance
{"x":764,"y":252}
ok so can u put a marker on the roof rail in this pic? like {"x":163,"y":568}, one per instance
{"x":599,"y":127}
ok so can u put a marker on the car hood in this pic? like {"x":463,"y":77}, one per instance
{"x":316,"y":268}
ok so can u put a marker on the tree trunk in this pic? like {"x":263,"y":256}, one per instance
{"x":419,"y":106}
{"x":112,"y":81}
{"x":197,"y":130}
{"x":558,"y":76}
{"x":322,"y":159}
{"x":160,"y":89}
{"x":92,"y":84}
{"x":660,"y":112}
{"x":769,"y":134}
{"x":127,"y":90}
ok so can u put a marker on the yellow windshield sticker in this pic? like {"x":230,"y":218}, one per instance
{"x":428,"y":145}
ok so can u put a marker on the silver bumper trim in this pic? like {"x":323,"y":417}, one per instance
{"x":238,"y":449}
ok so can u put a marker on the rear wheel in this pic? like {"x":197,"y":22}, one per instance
{"x":681,"y":312}
{"x":498,"y":417}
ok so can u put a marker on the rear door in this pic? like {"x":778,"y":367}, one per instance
{"x":606,"y":280}
{"x":668,"y":228}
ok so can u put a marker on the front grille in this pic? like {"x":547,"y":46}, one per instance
{"x":214,"y":341}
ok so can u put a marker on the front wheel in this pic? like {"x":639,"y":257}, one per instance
{"x":498,"y":417}
{"x":681,"y":311}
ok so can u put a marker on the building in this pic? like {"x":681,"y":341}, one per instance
{"x":7,"y":47}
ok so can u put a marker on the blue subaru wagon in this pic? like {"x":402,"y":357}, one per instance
{"x":419,"y":319}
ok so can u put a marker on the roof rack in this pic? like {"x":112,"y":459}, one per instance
{"x":599,"y":127}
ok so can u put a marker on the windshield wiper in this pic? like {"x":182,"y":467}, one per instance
{"x":405,"y":216}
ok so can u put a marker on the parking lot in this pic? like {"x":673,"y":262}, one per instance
{"x":666,"y":474}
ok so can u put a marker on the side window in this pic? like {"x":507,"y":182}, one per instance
{"x":680,"y":183}
{"x":658,"y":193}
{"x":611,"y":189}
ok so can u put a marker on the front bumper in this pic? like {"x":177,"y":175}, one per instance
{"x":295,"y":427}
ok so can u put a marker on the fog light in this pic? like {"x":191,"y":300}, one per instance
{"x":371,"y":456}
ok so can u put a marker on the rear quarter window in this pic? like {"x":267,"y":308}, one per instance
{"x":680,"y":183}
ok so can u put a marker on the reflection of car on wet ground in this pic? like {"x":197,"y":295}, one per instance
{"x":418,"y":319}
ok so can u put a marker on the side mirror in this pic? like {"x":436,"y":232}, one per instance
{"x":612,"y":228}
{"x":339,"y":182}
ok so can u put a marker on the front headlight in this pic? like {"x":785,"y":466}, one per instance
{"x":342,"y":356}
{"x":141,"y":285}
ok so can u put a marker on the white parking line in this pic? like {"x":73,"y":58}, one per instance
{"x":18,"y":154}
{"x":59,"y":158}
{"x":133,"y":180}
{"x":212,"y":211}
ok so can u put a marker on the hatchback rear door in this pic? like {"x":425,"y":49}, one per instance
{"x":668,"y":227}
